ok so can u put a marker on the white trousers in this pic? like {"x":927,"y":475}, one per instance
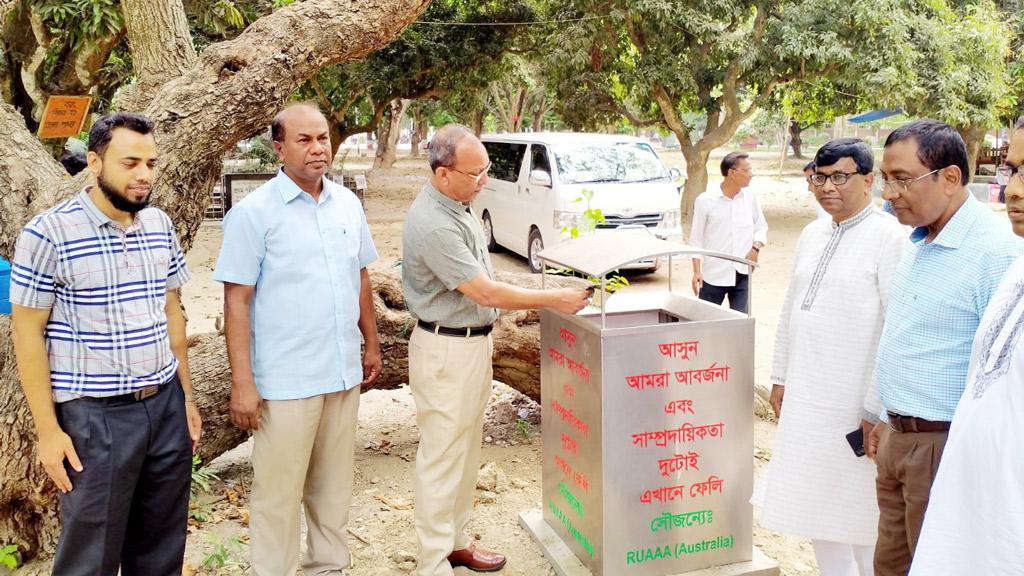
{"x":303,"y":453}
{"x":450,"y":378}
{"x":840,"y":559}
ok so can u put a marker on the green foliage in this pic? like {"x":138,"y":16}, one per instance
{"x":9,"y":556}
{"x":261,"y":154}
{"x":223,"y":548}
{"x":201,"y":477}
{"x":589,"y":221}
{"x":523,"y":428}
{"x":82,"y":20}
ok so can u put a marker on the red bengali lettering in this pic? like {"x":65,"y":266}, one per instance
{"x":678,"y":349}
{"x":679,"y":407}
{"x":641,"y":381}
{"x":570,"y":418}
{"x":568,"y":443}
{"x":663,"y":494}
{"x":679,"y":462}
{"x":713,"y":373}
{"x":567,"y":336}
{"x":569,"y":391}
{"x":557,"y":356}
{"x":579,"y":369}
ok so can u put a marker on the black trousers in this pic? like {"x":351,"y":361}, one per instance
{"x":128,"y":507}
{"x":738,"y":294}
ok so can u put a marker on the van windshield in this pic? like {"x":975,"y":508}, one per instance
{"x":608,"y":162}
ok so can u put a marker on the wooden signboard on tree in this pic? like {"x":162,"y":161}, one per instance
{"x":63,"y":116}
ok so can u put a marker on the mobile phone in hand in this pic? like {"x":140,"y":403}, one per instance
{"x":856,"y":440}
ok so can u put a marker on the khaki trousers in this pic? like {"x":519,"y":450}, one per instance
{"x":907,"y":464}
{"x":303,"y":452}
{"x":450,"y":378}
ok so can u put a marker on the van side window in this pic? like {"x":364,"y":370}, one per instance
{"x":506,"y":160}
{"x":539,"y":159}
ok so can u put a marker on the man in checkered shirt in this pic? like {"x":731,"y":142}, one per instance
{"x":99,"y":336}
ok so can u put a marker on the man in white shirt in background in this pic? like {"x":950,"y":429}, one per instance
{"x":729,"y":220}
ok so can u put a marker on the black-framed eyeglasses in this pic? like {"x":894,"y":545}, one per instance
{"x":1005,"y":173}
{"x":476,"y":177}
{"x":901,"y":186}
{"x":837,"y":178}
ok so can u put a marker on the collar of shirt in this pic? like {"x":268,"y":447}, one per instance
{"x":722,"y":195}
{"x":289,"y":190}
{"x":856,"y":219}
{"x":955,"y":231}
{"x":99,"y":218}
{"x":454,"y":206}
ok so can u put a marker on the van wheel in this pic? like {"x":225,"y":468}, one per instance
{"x":485,"y":223}
{"x":534,"y":245}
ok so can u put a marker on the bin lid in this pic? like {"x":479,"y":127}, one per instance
{"x":600,"y":253}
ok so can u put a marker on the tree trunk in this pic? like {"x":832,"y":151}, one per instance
{"x":478,"y":121}
{"x":232,"y":91}
{"x":387,"y":135}
{"x":696,"y":179}
{"x":161,"y":47}
{"x":794,"y":138}
{"x":418,"y":132}
{"x":974,"y":137}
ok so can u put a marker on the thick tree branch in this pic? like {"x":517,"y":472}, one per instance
{"x":161,"y":45}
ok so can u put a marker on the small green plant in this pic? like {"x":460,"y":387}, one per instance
{"x":223,"y":548}
{"x":199,"y":510}
{"x":589,"y":221}
{"x":9,"y":556}
{"x":201,"y":477}
{"x":523,"y":427}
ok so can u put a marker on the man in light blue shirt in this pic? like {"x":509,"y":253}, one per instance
{"x":297,"y":299}
{"x":939,"y":293}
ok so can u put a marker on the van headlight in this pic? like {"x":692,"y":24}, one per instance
{"x":669,"y":219}
{"x":565,"y":219}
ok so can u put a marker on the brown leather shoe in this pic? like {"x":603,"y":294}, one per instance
{"x":477,"y":559}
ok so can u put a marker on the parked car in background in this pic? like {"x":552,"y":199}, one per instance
{"x":535,"y":185}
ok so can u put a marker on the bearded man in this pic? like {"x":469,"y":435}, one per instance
{"x":99,"y":337}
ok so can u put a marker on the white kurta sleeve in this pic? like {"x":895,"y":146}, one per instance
{"x":760,"y":223}
{"x":700,"y":216}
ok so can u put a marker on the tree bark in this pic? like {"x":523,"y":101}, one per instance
{"x":230,"y":92}
{"x":387,"y":135}
{"x":794,"y":138}
{"x":419,"y":131}
{"x":974,"y":137}
{"x":161,"y":47}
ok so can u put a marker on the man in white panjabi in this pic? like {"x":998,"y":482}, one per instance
{"x":822,"y":374}
{"x":975,"y":518}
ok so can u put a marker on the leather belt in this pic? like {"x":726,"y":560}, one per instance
{"x":900,"y":423}
{"x":463,"y":332}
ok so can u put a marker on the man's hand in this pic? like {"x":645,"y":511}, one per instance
{"x":246,"y":405}
{"x":778,"y":390}
{"x":372,"y":365}
{"x":698,"y":281}
{"x":752,"y":255}
{"x":54,"y":447}
{"x":571,"y":300}
{"x":873,"y":438}
{"x":195,"y":423}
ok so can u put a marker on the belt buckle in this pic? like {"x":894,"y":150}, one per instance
{"x":143,"y":393}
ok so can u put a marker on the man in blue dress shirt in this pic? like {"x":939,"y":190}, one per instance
{"x":297,"y":298}
{"x":939,"y":293}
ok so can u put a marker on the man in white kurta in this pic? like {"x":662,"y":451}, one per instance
{"x":974,"y":524}
{"x":816,"y":487}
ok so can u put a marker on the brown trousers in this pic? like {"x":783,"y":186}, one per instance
{"x":907,"y":464}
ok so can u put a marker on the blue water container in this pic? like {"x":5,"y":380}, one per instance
{"x":5,"y":286}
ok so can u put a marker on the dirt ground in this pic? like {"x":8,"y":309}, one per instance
{"x":382,"y":535}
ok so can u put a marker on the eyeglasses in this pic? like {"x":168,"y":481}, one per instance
{"x":1005,"y":173}
{"x":837,"y":178}
{"x":476,"y":177}
{"x":901,"y":186}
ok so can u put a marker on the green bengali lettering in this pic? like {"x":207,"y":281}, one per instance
{"x":573,"y":531}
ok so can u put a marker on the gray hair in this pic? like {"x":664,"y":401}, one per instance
{"x":443,"y":144}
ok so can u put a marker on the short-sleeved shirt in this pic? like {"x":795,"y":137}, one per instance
{"x":443,"y":246}
{"x":304,"y":257}
{"x":939,"y":293}
{"x":106,"y":288}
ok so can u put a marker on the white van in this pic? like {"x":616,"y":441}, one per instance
{"x":535,"y":181}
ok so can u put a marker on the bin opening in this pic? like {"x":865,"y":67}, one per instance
{"x":635,"y":318}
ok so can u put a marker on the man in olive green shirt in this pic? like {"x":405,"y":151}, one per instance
{"x":450,"y":289}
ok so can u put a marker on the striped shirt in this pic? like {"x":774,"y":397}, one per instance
{"x":106,"y":288}
{"x":939,"y":293}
